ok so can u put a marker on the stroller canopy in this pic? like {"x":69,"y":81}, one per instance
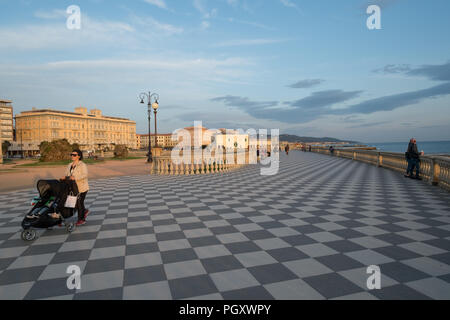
{"x":48,"y":188}
{"x":55,"y":188}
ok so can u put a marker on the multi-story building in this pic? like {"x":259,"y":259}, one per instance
{"x":138,"y":141}
{"x":222,"y":138}
{"x":164,"y":141}
{"x":92,"y":131}
{"x":231,"y":139}
{"x":6,"y":120}
{"x":203,"y":138}
{"x":6,"y":124}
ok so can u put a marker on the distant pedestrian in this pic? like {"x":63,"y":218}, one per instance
{"x":331,"y":150}
{"x":413,"y":158}
{"x":310,"y":148}
{"x":408,"y":159}
{"x":286,"y":149}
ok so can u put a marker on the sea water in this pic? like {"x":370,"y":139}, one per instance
{"x":429,"y":147}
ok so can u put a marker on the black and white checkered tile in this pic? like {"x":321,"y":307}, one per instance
{"x":309,"y":232}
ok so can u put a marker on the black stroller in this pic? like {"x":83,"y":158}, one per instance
{"x":49,"y":208}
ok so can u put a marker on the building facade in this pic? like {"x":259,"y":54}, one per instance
{"x":92,"y":131}
{"x":6,"y":124}
{"x":6,"y":121}
{"x":195,"y":137}
{"x":202,"y":137}
{"x":231,"y":139}
{"x":164,"y":141}
{"x":138,"y":141}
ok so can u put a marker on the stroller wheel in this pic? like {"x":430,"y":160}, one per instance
{"x":28,"y":235}
{"x":70,"y":227}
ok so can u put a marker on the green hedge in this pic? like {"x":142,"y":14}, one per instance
{"x":57,"y":150}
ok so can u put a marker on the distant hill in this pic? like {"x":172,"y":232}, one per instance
{"x":294,"y":138}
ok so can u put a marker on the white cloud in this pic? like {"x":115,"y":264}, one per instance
{"x":53,"y":34}
{"x":290,"y":4}
{"x":287,"y":3}
{"x":250,"y":23}
{"x":248,"y":42}
{"x":201,"y":7}
{"x":165,"y":28}
{"x":205,"y":25}
{"x":242,"y":5}
{"x":48,"y":15}
{"x":158,"y":63}
{"x":159,"y":3}
{"x":173,"y":73}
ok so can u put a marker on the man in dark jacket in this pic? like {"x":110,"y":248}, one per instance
{"x":408,"y":159}
{"x":331,"y":149}
{"x":413,"y":157}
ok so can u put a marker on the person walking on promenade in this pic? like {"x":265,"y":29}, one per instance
{"x":413,"y":156}
{"x":332,"y":150}
{"x":77,"y":170}
{"x":286,"y":149}
{"x":408,"y":159}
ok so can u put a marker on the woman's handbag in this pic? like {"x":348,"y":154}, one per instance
{"x":71,"y":201}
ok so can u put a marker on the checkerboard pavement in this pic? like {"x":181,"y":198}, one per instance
{"x":309,"y":232}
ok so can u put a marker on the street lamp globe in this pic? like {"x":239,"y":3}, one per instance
{"x":155,"y":105}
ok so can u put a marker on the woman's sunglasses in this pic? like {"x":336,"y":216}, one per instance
{"x":74,"y":154}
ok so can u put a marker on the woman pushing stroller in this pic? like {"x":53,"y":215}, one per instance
{"x":77,"y":171}
{"x":56,"y":200}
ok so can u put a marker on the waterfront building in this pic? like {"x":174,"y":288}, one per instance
{"x":92,"y":131}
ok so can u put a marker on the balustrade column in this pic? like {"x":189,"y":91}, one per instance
{"x":202,"y":167}
{"x":380,"y":160}
{"x":160,"y":167}
{"x":152,"y":168}
{"x":435,"y":172}
{"x":182,"y":168}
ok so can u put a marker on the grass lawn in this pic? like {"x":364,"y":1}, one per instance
{"x":58,"y":163}
{"x":66,"y":162}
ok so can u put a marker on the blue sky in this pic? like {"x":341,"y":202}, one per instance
{"x":307,"y":67}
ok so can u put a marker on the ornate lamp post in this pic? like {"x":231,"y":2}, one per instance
{"x":150,"y":96}
{"x":155,"y":107}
